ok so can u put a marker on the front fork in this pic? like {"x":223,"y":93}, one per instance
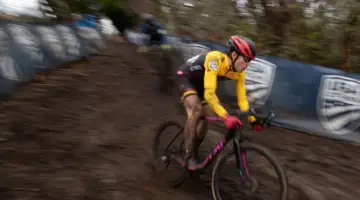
{"x":241,"y":161}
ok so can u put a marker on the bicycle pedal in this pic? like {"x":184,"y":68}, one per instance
{"x":164,"y":158}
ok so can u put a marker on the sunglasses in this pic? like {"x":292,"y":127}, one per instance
{"x":247,"y":59}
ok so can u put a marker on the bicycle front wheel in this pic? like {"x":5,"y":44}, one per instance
{"x":253,"y":181}
{"x":168,"y":140}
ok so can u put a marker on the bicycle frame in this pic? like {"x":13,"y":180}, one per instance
{"x":240,"y":155}
{"x":218,"y":148}
{"x":236,"y":135}
{"x":231,"y":135}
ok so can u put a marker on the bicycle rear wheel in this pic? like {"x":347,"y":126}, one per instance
{"x":229,"y":191}
{"x":168,"y":140}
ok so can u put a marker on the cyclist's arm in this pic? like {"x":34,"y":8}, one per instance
{"x":210,"y":83}
{"x":158,"y":25}
{"x":241,"y":96}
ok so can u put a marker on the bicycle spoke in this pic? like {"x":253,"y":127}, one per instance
{"x":166,"y":144}
{"x":175,"y":137}
{"x":258,"y":177}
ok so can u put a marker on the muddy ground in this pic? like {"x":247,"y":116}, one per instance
{"x":86,"y":134}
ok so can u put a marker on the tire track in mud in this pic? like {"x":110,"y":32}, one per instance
{"x":86,"y":134}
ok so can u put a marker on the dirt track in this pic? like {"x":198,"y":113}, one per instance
{"x":86,"y":132}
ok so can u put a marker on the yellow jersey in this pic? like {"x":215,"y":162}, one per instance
{"x":205,"y":70}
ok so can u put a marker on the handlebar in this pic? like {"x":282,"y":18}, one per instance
{"x":268,"y":116}
{"x":265,"y":120}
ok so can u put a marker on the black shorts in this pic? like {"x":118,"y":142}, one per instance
{"x":155,"y":39}
{"x":188,"y":87}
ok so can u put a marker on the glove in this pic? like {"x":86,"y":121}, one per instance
{"x":256,"y":126}
{"x":165,"y":46}
{"x":231,"y":122}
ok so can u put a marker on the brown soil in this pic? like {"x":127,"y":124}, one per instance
{"x":86,"y":134}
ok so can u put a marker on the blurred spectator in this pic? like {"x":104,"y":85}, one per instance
{"x":121,"y":19}
{"x":154,"y":30}
{"x":85,"y":20}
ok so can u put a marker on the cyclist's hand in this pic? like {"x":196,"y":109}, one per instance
{"x":256,"y":126}
{"x":232,"y":121}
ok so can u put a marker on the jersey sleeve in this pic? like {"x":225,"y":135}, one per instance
{"x":211,"y":65}
{"x":241,"y":96}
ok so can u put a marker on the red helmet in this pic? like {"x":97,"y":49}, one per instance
{"x":243,"y":46}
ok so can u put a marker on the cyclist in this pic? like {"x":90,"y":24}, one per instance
{"x":198,"y":81}
{"x":155,"y":31}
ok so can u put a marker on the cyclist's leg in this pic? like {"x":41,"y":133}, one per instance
{"x":164,"y":44}
{"x":192,"y":105}
{"x":145,"y":43}
{"x":202,"y":127}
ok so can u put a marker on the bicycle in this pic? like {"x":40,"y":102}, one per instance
{"x":172,"y":155}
